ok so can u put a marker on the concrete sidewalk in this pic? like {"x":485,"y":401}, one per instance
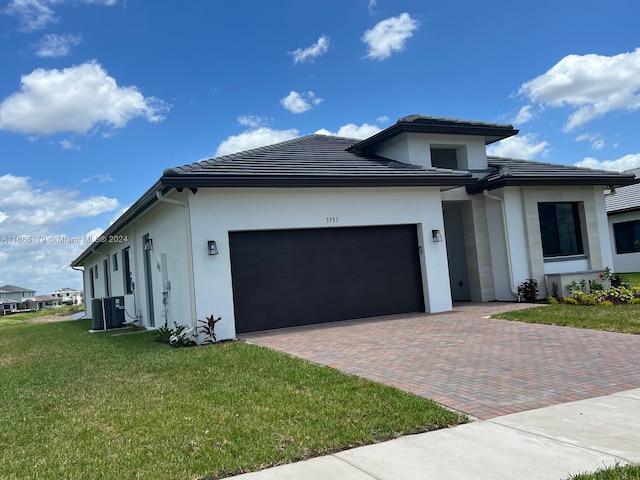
{"x":549,"y":443}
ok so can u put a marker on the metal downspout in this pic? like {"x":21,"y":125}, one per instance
{"x":514,"y":292}
{"x":192,"y":293}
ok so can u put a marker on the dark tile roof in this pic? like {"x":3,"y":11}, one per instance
{"x":492,"y":132}
{"x":515,"y":172}
{"x":14,"y":289}
{"x":626,"y":198}
{"x":310,"y":161}
{"x":46,"y":298}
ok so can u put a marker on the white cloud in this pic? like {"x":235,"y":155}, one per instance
{"x":351,"y":130}
{"x":372,"y":6}
{"x":100,"y":177}
{"x":54,"y":45}
{"x":382,"y":119}
{"x":389,"y":36}
{"x":32,"y":14}
{"x":525,"y":146}
{"x":592,"y":85}
{"x":524,"y":115}
{"x":621,"y":164}
{"x":252,"y":121}
{"x":310,"y":53}
{"x":597,"y":142}
{"x":37,"y":14}
{"x":28,"y":206}
{"x":300,"y":102}
{"x":75,"y":99}
{"x":253,"y":139}
{"x":69,"y":145}
{"x":34,"y":248}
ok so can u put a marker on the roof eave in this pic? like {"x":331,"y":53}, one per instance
{"x":492,"y":134}
{"x":605,"y":181}
{"x":320,"y":181}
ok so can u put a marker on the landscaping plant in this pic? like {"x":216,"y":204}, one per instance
{"x":528,"y":290}
{"x":208,"y":329}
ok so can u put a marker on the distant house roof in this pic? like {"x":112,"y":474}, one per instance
{"x":492,"y":132}
{"x":14,"y":289}
{"x":507,"y":172}
{"x":625,"y":199}
{"x":46,"y":298}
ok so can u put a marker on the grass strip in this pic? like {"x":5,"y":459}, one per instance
{"x":626,"y":472}
{"x":79,"y":405}
{"x":617,"y":318}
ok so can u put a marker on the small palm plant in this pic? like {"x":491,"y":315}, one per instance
{"x":208,"y":329}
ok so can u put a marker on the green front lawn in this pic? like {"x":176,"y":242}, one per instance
{"x":617,"y":318}
{"x":632,"y":278}
{"x":627,"y":472}
{"x":25,"y":317}
{"x":96,"y":406}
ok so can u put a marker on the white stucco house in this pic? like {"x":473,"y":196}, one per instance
{"x":14,"y":298}
{"x":321,"y":228}
{"x":623,"y":211}
{"x":68,"y":296}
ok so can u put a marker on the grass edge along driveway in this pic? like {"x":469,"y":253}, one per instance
{"x":80,"y":405}
{"x":617,"y":318}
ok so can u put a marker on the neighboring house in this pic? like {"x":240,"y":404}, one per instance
{"x":8,"y":306}
{"x":47,"y":302}
{"x":623,"y":210}
{"x":322,"y":228}
{"x":18,"y":294}
{"x":68,"y":296}
{"x":14,"y":298}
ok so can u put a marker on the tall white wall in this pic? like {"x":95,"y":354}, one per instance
{"x":216,"y":212}
{"x":166,"y":226}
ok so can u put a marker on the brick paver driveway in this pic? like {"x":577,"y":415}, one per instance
{"x":481,"y":366}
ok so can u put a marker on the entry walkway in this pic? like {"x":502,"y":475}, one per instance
{"x":471,"y":363}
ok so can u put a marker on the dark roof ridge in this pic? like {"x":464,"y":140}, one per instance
{"x":573,"y":167}
{"x":431,"y":118}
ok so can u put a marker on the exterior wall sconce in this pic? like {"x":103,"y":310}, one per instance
{"x":212,"y":248}
{"x":436,"y":235}
{"x":148,"y":244}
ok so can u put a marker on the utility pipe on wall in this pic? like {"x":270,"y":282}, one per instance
{"x":514,"y":292}
{"x":192,"y":293}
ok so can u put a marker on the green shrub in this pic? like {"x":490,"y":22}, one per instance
{"x":569,"y":301}
{"x":585,"y":298}
{"x":605,"y":303}
{"x":551,"y":300}
{"x":634,"y":301}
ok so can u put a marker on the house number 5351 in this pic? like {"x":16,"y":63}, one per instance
{"x":332,"y":219}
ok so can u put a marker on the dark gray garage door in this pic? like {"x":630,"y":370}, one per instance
{"x":284,"y":278}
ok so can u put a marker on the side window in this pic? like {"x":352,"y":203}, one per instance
{"x":627,"y":236}
{"x":105,"y":268}
{"x":126,"y":271}
{"x":115,"y":262}
{"x":91,"y":284}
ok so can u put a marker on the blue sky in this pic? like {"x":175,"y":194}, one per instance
{"x":98,"y":97}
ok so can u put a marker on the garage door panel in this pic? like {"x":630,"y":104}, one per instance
{"x":319,"y":287}
{"x":282,"y":315}
{"x":371,"y":260}
{"x":299,"y":277}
